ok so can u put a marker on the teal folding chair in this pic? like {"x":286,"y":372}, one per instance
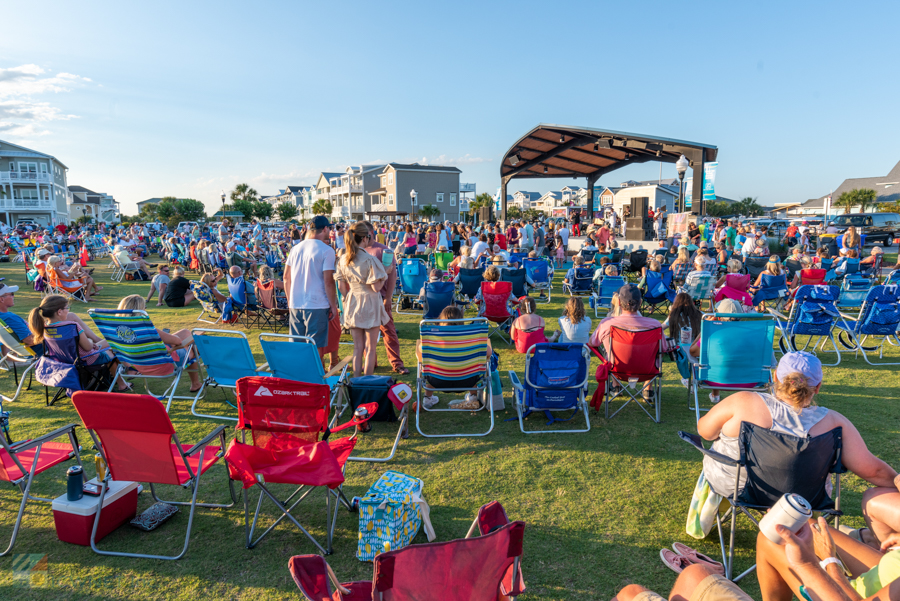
{"x":297,"y":358}
{"x":735,"y":354}
{"x":136,"y":343}
{"x":226,"y":357}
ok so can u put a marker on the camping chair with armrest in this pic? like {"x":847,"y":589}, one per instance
{"x":61,"y":366}
{"x":480,"y":568}
{"x":755,"y":266}
{"x":267,"y":306}
{"x":813,"y":314}
{"x":226,"y":357}
{"x":879,"y":316}
{"x":517,"y":257}
{"x":634,"y":358}
{"x":735,"y":288}
{"x":791,"y":266}
{"x":413,"y":273}
{"x":539,"y":272}
{"x":556,"y":376}
{"x":21,"y":461}
{"x":136,"y":343}
{"x":441,"y":260}
{"x":582,"y":284}
{"x":658,"y":293}
{"x":208,"y":303}
{"x":16,"y":354}
{"x":136,"y":439}
{"x":771,"y":288}
{"x":637,"y":260}
{"x":812,"y":277}
{"x":296,"y":358}
{"x":243,"y":302}
{"x":495,"y":296}
{"x":288,"y":426}
{"x":55,"y":286}
{"x":518,"y":278}
{"x":728,"y":366}
{"x":775,"y":464}
{"x":700,"y":286}
{"x":607,"y":288}
{"x":854,"y":290}
{"x":468,"y":286}
{"x":618,"y":255}
{"x":438,"y":296}
{"x":454,"y":359}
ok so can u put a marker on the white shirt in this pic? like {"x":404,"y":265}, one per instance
{"x":749,"y":245}
{"x":564,"y":234}
{"x":478,"y":248}
{"x":308,"y":262}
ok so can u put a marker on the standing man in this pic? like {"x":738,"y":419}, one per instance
{"x":309,"y":285}
{"x":576,"y":223}
{"x":563,"y":233}
{"x":612,"y":223}
{"x":527,"y":230}
{"x":389,"y":330}
{"x":539,"y":239}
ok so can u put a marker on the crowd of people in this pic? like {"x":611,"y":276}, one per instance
{"x":329,"y":278}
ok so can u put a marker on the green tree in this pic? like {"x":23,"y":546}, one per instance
{"x":747,"y":206}
{"x":322,"y":207}
{"x":718,"y":208}
{"x":862,"y":198}
{"x":190,"y":210}
{"x":167,"y":211}
{"x":429,"y":211}
{"x":533,"y":214}
{"x":244,"y":192}
{"x":262,"y":210}
{"x":481,"y":201}
{"x":889,"y":207}
{"x":243,"y":206}
{"x":286,"y":211}
{"x":513,"y":212}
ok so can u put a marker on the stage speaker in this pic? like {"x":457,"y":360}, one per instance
{"x":639,"y":206}
{"x":638,"y":235}
{"x":639,"y":223}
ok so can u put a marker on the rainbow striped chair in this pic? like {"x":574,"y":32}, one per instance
{"x":454,"y":359}
{"x":137,"y":345}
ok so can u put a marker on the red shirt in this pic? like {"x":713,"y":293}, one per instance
{"x":500,"y":240}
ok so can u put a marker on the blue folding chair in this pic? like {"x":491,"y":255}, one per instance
{"x":556,"y":376}
{"x":518,"y":279}
{"x":413,"y":275}
{"x":658,"y":292}
{"x":226,"y":357}
{"x":772,"y":288}
{"x":609,"y":285}
{"x":243,"y":301}
{"x":438,"y":296}
{"x":588,"y":256}
{"x":539,"y":272}
{"x":813,"y":314}
{"x":893,"y":277}
{"x":517,"y":257}
{"x":583,"y":284}
{"x":700,"y":286}
{"x":854,"y":290}
{"x":136,"y":343}
{"x":879,"y":316}
{"x":296,"y":358}
{"x":724,"y":365}
{"x":468,"y":286}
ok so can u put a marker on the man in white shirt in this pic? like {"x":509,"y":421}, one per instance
{"x":612,"y":222}
{"x":527,"y":241}
{"x":563,"y":232}
{"x":831,"y":229}
{"x":309,"y":285}
{"x":479,"y":247}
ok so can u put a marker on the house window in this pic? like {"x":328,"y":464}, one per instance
{"x":390,"y":199}
{"x":453,"y":200}
{"x":440,"y":197}
{"x":390,"y":179}
{"x":43,"y":167}
{"x":46,"y":194}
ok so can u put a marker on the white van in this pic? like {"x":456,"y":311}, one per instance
{"x":190,"y":225}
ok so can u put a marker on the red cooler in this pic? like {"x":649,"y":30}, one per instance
{"x":75,"y":519}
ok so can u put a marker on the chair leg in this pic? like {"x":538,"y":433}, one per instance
{"x":25,"y":496}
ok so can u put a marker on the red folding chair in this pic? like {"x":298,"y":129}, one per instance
{"x":285,"y":419}
{"x":495,"y":295}
{"x":468,"y":569}
{"x":634,"y":363}
{"x":135,"y":437}
{"x":20,"y":462}
{"x":492,"y":517}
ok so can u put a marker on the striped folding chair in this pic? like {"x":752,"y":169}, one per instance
{"x":136,"y":343}
{"x":454,"y":359}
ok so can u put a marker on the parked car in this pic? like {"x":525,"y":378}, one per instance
{"x":882,"y":227}
{"x":190,"y":225}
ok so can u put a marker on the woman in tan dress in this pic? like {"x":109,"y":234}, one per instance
{"x":361,"y":277}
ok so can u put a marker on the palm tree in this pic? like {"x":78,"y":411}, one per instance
{"x":244,"y":192}
{"x":863,"y":199}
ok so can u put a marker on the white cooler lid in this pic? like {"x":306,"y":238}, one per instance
{"x":87,"y":505}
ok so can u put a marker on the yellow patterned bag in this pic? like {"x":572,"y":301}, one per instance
{"x":391,"y":514}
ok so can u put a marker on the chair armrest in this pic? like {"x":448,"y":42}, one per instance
{"x":208,"y":439}
{"x":695,"y":441}
{"x":514,"y":380}
{"x":845,"y":316}
{"x":29,"y":444}
{"x":776,"y":313}
{"x":337,"y":368}
{"x":263,"y":367}
{"x":371,"y":408}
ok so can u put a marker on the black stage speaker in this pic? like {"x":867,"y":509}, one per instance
{"x":639,"y":206}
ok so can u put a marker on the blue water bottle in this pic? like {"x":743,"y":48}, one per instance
{"x":74,"y":483}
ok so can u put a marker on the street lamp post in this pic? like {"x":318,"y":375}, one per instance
{"x":681,"y":166}
{"x":223,"y":205}
{"x":412,"y":196}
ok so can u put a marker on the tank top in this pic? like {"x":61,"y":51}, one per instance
{"x":784,"y":421}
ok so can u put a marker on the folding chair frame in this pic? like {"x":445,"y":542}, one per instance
{"x":343,"y":366}
{"x":24,"y":481}
{"x":653,"y":384}
{"x":16,"y":353}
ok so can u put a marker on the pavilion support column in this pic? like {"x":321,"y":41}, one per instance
{"x":503,"y":182}
{"x":698,"y":164}
{"x":591,"y":180}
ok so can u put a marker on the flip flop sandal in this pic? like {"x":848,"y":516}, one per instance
{"x":673,"y":560}
{"x":694,"y":556}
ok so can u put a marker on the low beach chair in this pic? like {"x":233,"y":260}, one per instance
{"x":700,"y":285}
{"x":226,"y":357}
{"x":854,"y":290}
{"x":136,"y":439}
{"x":539,"y":272}
{"x":136,"y":343}
{"x":413,"y":273}
{"x":296,"y":358}
{"x":16,"y":354}
{"x":879,"y":317}
{"x":582,"y":284}
{"x":729,"y":367}
{"x":814,"y":315}
{"x":454,"y":360}
{"x":208,"y":303}
{"x":556,"y":376}
{"x":438,"y":296}
{"x":607,"y":287}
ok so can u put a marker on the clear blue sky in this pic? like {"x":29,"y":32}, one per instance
{"x":188,"y":98}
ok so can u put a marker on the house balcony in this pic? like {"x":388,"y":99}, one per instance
{"x":27,"y":203}
{"x":347,"y":188}
{"x":13,"y":177}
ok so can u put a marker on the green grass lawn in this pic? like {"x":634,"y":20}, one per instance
{"x":598,"y":506}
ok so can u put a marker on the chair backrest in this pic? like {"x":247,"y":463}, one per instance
{"x":617,"y":254}
{"x":812,"y":277}
{"x":637,"y":260}
{"x":442,"y":260}
{"x":205,"y":296}
{"x":556,"y":366}
{"x":495,"y":295}
{"x":454,"y":349}
{"x":135,"y":434}
{"x":413,"y":275}
{"x":583,"y":279}
{"x":852,"y":264}
{"x":756,"y":265}
{"x":635,"y":354}
{"x":265,"y":294}
{"x":469,"y":569}
{"x":438,"y":295}
{"x":237,"y":288}
{"x":681,"y":270}
{"x":609,"y":285}
{"x":517,"y":257}
{"x":738,"y":281}
{"x":61,"y":342}
{"x":470,"y":281}
{"x":773,"y":281}
{"x":282,"y":414}
{"x":517,"y":278}
{"x":292,"y":358}
{"x":814,"y":311}
{"x":538,"y":270}
{"x":880,"y":311}
{"x":736,"y":348}
{"x":132,"y":336}
{"x":225,"y":353}
{"x":588,"y":255}
{"x":658,"y":284}
{"x":854,"y":289}
{"x":8,"y":339}
{"x":778,"y":463}
{"x":699,"y":284}
{"x":792,"y":266}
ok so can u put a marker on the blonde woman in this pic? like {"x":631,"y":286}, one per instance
{"x":574,"y":325}
{"x":850,"y":239}
{"x":360,"y":277}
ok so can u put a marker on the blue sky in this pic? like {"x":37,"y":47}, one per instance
{"x":185,"y":99}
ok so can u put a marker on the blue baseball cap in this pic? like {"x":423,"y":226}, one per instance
{"x":801,"y":362}
{"x":320,"y":222}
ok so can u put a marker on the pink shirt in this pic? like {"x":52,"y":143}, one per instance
{"x":627,"y":321}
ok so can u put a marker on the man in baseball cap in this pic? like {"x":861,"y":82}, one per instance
{"x":629,"y":300}
{"x":16,"y":324}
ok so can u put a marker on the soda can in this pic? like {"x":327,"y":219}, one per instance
{"x":354,"y":503}
{"x":101,"y":467}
